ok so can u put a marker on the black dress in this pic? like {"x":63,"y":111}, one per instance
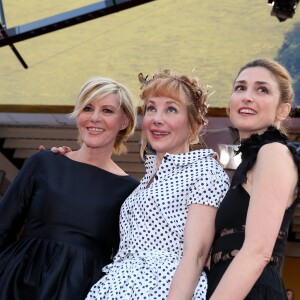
{"x":231,"y":220}
{"x":70,"y":211}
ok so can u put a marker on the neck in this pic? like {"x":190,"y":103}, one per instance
{"x":246,"y":134}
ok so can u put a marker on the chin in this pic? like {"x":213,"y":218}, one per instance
{"x":91,"y":146}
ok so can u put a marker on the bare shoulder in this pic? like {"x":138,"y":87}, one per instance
{"x":274,"y":150}
{"x":276,"y":154}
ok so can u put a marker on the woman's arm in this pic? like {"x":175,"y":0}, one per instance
{"x":272,"y":190}
{"x":198,"y":236}
{"x":15,"y":203}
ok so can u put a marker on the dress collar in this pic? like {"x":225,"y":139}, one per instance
{"x":181,"y":159}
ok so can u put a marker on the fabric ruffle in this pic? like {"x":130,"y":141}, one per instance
{"x":255,"y":141}
{"x":249,"y":149}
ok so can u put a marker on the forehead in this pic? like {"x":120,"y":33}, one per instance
{"x":257,"y":75}
{"x":168,"y":100}
{"x":109,"y":99}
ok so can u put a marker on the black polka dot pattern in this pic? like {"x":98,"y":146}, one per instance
{"x":152,"y":226}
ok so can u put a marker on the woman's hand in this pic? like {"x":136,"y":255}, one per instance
{"x":60,"y":150}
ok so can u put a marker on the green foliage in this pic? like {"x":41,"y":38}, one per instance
{"x":289,"y":56}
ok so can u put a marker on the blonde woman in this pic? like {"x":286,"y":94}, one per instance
{"x":69,"y":205}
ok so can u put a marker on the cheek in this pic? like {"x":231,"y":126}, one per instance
{"x":80,"y":125}
{"x":184,"y":123}
{"x":233,"y":101}
{"x":146,"y":122}
{"x":233,"y":104}
{"x":80,"y":120}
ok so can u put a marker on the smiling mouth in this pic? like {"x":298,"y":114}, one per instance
{"x":95,"y":129}
{"x":247,"y":111}
{"x":156,"y":133}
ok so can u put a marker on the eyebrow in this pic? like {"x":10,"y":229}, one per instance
{"x":168,"y":102}
{"x":256,"y":82}
{"x":174,"y":102}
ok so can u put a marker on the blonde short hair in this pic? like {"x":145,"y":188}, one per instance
{"x":99,"y":87}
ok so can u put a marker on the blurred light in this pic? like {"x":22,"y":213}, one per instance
{"x":228,"y":159}
{"x":283,"y":9}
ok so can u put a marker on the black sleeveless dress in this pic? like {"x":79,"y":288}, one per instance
{"x":231,"y":219}
{"x":70,"y":211}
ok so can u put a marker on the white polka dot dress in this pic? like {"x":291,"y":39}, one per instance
{"x":152,"y":225}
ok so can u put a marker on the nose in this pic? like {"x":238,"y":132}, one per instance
{"x":158,"y":118}
{"x":95,"y":116}
{"x":248,"y":98}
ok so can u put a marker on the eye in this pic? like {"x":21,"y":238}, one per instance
{"x":171,"y":109}
{"x":107,"y":110}
{"x":239,"y":88}
{"x":263,"y":89}
{"x":89,"y":107}
{"x":150,"y":108}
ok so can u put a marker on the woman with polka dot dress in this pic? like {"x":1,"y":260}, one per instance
{"x":167,"y":223}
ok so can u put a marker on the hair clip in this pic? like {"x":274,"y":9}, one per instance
{"x":142,"y":79}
